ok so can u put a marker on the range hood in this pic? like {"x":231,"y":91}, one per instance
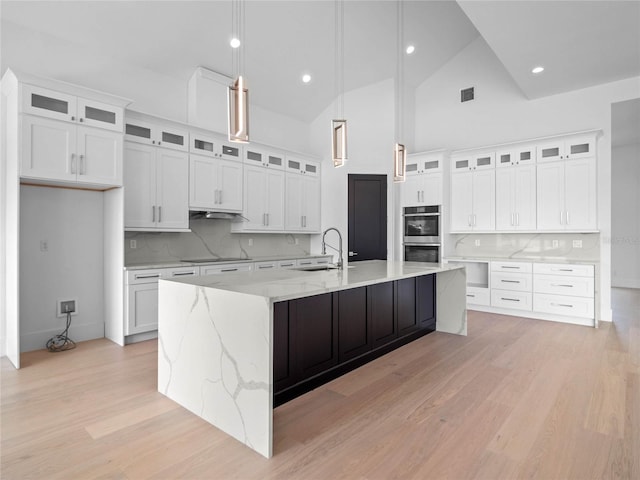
{"x":212,"y":214}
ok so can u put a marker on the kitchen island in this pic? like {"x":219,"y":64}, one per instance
{"x":221,"y":337}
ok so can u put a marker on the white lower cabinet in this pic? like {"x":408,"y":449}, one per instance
{"x":141,"y":296}
{"x":550,"y":291}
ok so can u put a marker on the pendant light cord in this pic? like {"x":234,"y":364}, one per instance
{"x":339,"y":57}
{"x":400,"y":73}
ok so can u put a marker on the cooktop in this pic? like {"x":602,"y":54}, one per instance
{"x":213,"y":260}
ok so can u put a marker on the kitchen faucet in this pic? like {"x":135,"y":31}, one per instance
{"x":325,"y":245}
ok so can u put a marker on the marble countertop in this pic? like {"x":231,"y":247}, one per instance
{"x":530,"y":259}
{"x":178,"y":263}
{"x":279,"y":285}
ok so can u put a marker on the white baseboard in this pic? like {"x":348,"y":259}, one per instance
{"x":625,"y":282}
{"x":77,"y":333}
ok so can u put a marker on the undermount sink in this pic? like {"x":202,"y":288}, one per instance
{"x":315,"y":268}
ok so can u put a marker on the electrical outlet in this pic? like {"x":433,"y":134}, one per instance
{"x":554,"y":243}
{"x":577,"y":244}
{"x":44,"y":246}
{"x":251,"y":242}
{"x":133,"y":244}
{"x":477,"y":243}
{"x":66,"y":306}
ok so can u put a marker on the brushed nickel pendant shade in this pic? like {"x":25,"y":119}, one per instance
{"x":399,"y":163}
{"x":238,"y":93}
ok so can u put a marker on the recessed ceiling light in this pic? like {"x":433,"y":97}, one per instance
{"x":410,"y":49}
{"x":306,"y":78}
{"x":235,"y":42}
{"x":538,"y":69}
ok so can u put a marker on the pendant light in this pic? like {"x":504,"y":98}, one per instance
{"x":238,"y":94}
{"x":399,"y":150}
{"x":339,"y":127}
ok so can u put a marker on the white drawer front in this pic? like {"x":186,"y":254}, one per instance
{"x":144,"y":276}
{"x":477,"y":296}
{"x":180,"y":272}
{"x":287,"y":263}
{"x":226,"y":268}
{"x":522,"y":267}
{"x":519,"y":282}
{"x":263,"y":266}
{"x":563,"y":269}
{"x":510,"y":299}
{"x":564,"y":305}
{"x":562,"y":285}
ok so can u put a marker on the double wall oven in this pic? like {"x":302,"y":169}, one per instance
{"x":422,"y":234}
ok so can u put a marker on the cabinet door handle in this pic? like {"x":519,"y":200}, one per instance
{"x":268,"y":220}
{"x":159,"y":214}
{"x":153,"y":214}
{"x":83,"y":167}
{"x":512,"y":219}
{"x":469,"y":220}
{"x":567,"y":214}
{"x":301,"y":220}
{"x":73,"y":119}
{"x":73,"y":163}
{"x":474,"y":220}
{"x":81,"y":119}
{"x":151,"y":275}
{"x":220,"y":195}
{"x":561,"y":217}
{"x":517,"y":219}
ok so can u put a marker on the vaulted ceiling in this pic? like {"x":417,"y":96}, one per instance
{"x":581,"y":43}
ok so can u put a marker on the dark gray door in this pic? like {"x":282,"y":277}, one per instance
{"x":367,"y":217}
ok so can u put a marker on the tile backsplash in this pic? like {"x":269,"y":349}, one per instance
{"x":569,"y":246}
{"x":209,"y":239}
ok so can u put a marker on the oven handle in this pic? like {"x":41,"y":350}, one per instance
{"x":422,"y":244}
{"x":421,"y":214}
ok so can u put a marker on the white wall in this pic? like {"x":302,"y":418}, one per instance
{"x":625,"y":221}
{"x":501,"y":113}
{"x":369,"y":112}
{"x":71,"y":223}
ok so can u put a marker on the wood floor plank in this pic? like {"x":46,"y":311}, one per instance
{"x":517,"y":398}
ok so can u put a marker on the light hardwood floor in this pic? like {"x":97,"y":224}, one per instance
{"x":517,"y":398}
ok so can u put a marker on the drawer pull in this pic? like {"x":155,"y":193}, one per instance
{"x":182,"y":274}
{"x":563,"y":269}
{"x":510,"y":281}
{"x":471,"y":295}
{"x":153,"y":275}
{"x":229,"y":270}
{"x":561,"y":305}
{"x":287,"y":265}
{"x":561,"y":285}
{"x":506,"y":266}
{"x":262,"y":267}
{"x":510,"y":299}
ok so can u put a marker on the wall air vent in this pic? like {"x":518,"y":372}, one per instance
{"x":466,"y":94}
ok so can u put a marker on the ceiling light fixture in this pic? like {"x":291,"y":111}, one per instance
{"x":306,"y":78}
{"x":238,"y":94}
{"x":399,"y":150}
{"x":235,"y":42}
{"x":538,"y":69}
{"x":339,"y":127}
{"x":410,"y":49}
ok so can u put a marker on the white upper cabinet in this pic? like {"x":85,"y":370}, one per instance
{"x":466,"y":161}
{"x":473,"y":197}
{"x":302,"y":195}
{"x":257,"y":155}
{"x":70,"y":108}
{"x":567,"y":148}
{"x":423,"y":185}
{"x":215,"y":146}
{"x":158,"y":134}
{"x":156,"y":184}
{"x":214,"y":184}
{"x":516,"y":155}
{"x":61,"y":151}
{"x":263,"y":200}
{"x":516,"y":198}
{"x":566,"y":195}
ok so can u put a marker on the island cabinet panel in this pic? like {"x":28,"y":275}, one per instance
{"x":283,"y":375}
{"x":353,"y":323}
{"x":426,"y":302}
{"x":406,"y":306}
{"x":315,"y":335}
{"x":383,"y":320}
